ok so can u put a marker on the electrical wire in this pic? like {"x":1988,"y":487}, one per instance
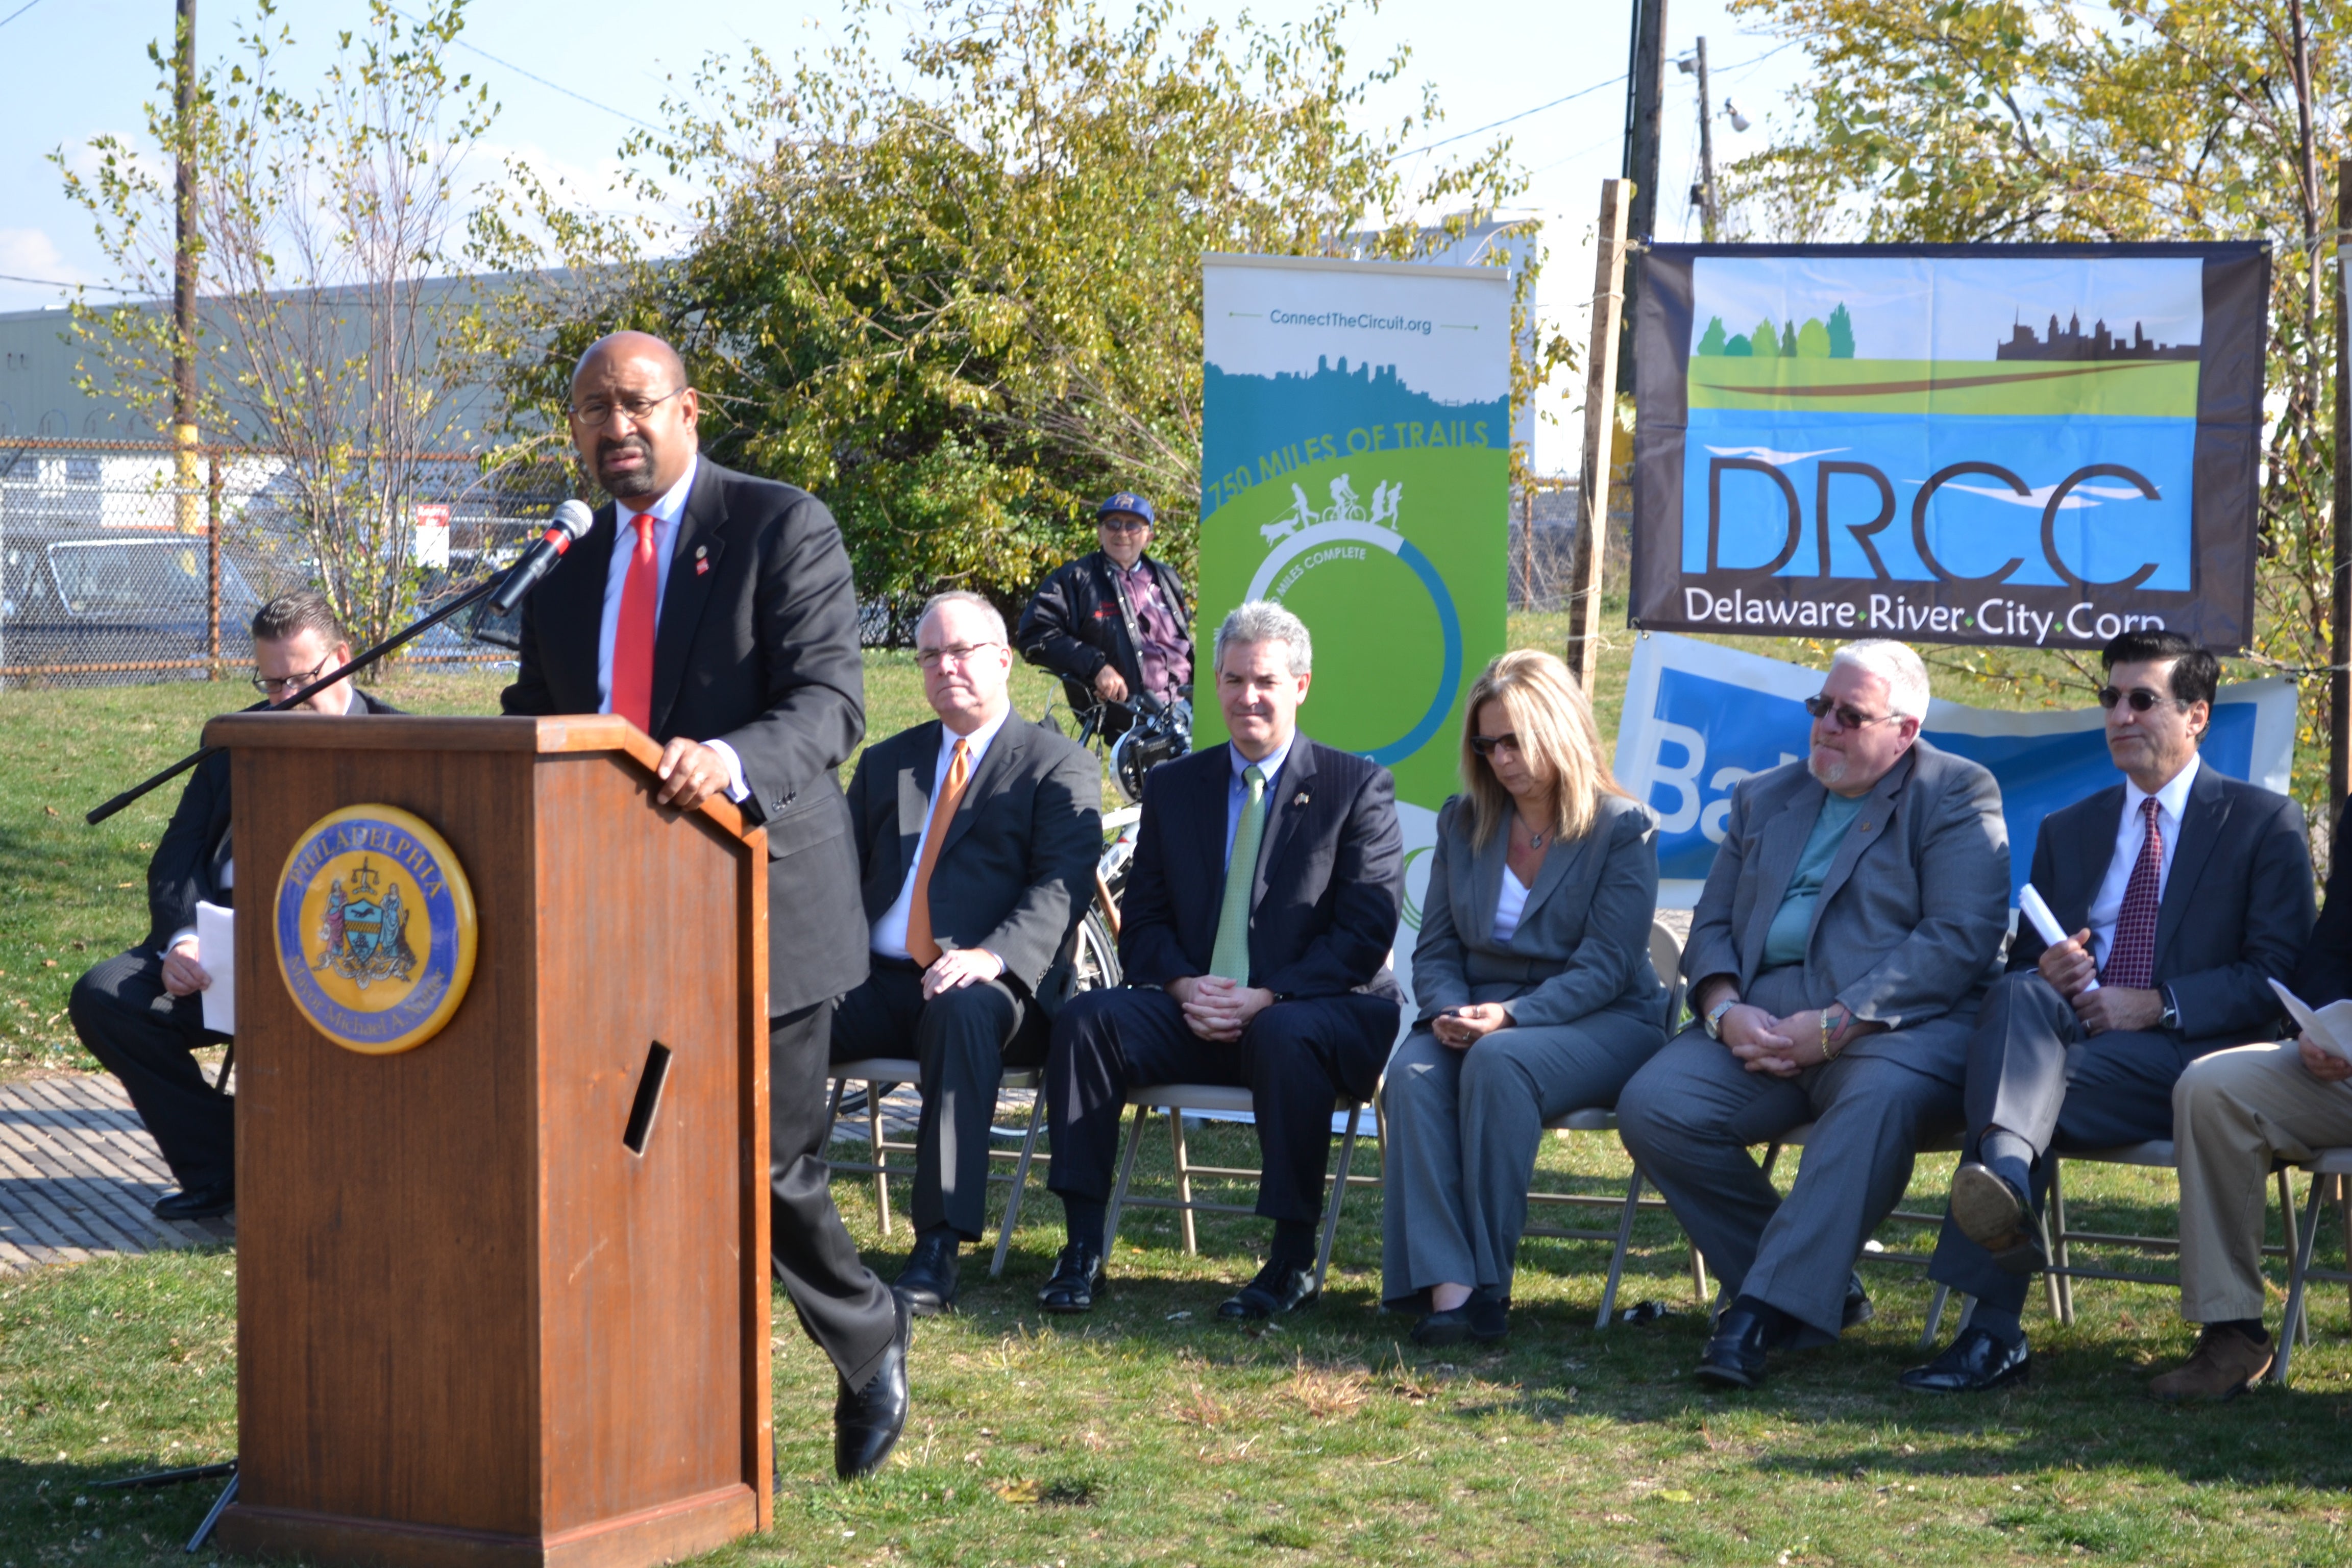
{"x":20,"y":11}
{"x":528,"y":76}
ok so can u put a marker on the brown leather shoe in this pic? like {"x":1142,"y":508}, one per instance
{"x":2226,"y":1363}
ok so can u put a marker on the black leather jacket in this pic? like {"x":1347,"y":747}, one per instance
{"x":1075,"y":625}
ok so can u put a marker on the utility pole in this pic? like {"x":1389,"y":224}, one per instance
{"x":183,"y":279}
{"x":2339,"y":612}
{"x":1646,"y":95}
{"x":1705,"y":192}
{"x":1585,"y":561}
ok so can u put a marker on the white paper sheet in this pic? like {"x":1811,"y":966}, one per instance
{"x":2031,"y":905}
{"x":216,"y":951}
{"x":2329,"y":1028}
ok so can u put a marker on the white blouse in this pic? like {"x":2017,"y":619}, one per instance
{"x":1510,"y":905}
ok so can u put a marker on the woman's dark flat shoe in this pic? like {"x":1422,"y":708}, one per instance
{"x":1442,"y":1329}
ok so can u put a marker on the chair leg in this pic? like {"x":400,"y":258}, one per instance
{"x":1183,"y":1180}
{"x":1338,"y":1195}
{"x":2057,"y":1282}
{"x":1934,"y":1317}
{"x":1698,"y":1273}
{"x":833,"y":1107}
{"x":873,"y":1093}
{"x":1771,"y":1158}
{"x":2298,"y":1321}
{"x":1020,"y":1185}
{"x":1617,"y":1255}
{"x":2298,"y":1276}
{"x":1126,"y":1175}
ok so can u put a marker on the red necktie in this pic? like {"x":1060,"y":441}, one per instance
{"x":632,"y":638}
{"x":2131,"y":956}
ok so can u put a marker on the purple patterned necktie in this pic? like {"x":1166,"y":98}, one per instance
{"x":2131,"y":956}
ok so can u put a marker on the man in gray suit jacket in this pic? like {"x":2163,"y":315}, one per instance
{"x":994,"y":825}
{"x":2186,"y":891}
{"x":1850,"y":924}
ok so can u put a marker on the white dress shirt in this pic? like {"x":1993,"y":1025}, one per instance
{"x":667,"y":512}
{"x":890,"y":931}
{"x":2171,"y":801}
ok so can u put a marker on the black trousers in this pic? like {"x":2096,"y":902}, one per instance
{"x":847,"y":1311}
{"x":964,"y":1039}
{"x":145,"y":1035}
{"x":2033,"y":1071}
{"x":1295,"y":1058}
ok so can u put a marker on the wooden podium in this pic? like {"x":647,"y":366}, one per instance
{"x":475,"y":1326}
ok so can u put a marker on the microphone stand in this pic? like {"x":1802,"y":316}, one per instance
{"x":361,"y":661}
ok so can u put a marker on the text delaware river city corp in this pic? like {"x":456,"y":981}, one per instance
{"x":1894,"y":614}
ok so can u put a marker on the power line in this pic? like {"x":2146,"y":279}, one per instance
{"x":20,"y":11}
{"x":1583,"y":92}
{"x":59,"y":282}
{"x":528,"y":76}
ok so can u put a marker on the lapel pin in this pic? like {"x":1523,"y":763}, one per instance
{"x":702,"y":559}
{"x":1299,"y":799}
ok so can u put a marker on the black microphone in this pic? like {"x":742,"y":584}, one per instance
{"x":572,"y":520}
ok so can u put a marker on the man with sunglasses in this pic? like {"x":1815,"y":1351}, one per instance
{"x":715,"y":611}
{"x":1112,"y":622}
{"x":2186,"y":891}
{"x":142,"y":1012}
{"x":1849,"y":923}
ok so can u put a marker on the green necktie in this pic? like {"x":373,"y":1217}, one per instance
{"x":1231,"y":957}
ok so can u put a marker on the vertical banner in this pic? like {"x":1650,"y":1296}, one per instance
{"x":2033,"y":445}
{"x":1355,"y":456}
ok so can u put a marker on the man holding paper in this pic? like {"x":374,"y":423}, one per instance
{"x":2185,"y":891}
{"x":142,"y":1012}
{"x":2233,"y":1114}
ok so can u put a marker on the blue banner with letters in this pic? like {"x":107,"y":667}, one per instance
{"x":1699,"y":717}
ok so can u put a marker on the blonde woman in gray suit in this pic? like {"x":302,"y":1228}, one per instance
{"x":1534,"y":985}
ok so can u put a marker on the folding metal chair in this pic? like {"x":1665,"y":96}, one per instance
{"x":880,"y":1075}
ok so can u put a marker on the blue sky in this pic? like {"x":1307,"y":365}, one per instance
{"x":79,"y":67}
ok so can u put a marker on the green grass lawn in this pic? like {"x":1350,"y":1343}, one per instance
{"x":1148,"y":1432}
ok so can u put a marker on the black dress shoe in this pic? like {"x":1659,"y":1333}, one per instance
{"x":1997,"y":1217}
{"x":1077,"y":1281}
{"x":927,"y":1283}
{"x":866,"y":1421}
{"x":197,"y":1203}
{"x":1975,"y":1363}
{"x":1280,"y":1287}
{"x":1436,"y":1330}
{"x":1858,"y":1309}
{"x":1734,"y":1357}
{"x":1490,"y":1315}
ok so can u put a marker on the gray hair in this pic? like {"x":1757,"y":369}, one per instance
{"x":994,"y":616}
{"x":1895,"y":663}
{"x":1263,"y":620}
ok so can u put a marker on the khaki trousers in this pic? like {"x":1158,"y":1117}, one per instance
{"x":2233,"y":1113}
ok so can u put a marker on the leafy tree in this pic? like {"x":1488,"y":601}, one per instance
{"x":1788,"y":340}
{"x":1841,"y":332}
{"x":322,"y":216}
{"x":1813,"y":340}
{"x":1711,"y":342}
{"x":1739,"y":348}
{"x":1765,"y":340}
{"x":957,"y":295}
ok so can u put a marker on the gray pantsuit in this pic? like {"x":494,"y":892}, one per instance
{"x":1906,"y":933}
{"x":1587,"y":1009}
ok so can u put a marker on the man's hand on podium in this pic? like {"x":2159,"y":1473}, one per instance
{"x":692,"y":773}
{"x":183,"y":975}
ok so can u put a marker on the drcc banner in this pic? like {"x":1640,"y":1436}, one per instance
{"x":2030,"y":446}
{"x":1356,"y":468}
{"x":1699,"y":717}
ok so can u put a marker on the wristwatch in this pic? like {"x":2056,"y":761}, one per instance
{"x":2170,"y":1017}
{"x":1713,"y":1022}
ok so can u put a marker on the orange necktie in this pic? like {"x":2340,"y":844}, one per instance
{"x":920,"y":947}
{"x":632,"y":638}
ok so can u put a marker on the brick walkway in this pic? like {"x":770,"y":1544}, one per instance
{"x":78,"y":1173}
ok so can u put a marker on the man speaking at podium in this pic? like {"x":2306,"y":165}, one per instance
{"x":715,"y":611}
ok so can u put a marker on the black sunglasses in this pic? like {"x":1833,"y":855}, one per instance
{"x":1821,"y":705}
{"x":1486,"y":745}
{"x":2140,"y":697}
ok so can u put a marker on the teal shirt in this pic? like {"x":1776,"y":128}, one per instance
{"x":1785,"y":942}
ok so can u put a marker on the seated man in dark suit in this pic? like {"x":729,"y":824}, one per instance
{"x":976,"y":836}
{"x":1254,"y":940}
{"x":141,"y":1012}
{"x":2186,"y":891}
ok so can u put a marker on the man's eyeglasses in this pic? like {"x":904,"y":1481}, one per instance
{"x":597,"y":410}
{"x":1122,"y":523}
{"x":1487,"y":745}
{"x":2140,"y":697}
{"x":275,"y":685}
{"x":1821,"y":705}
{"x":932,"y":657}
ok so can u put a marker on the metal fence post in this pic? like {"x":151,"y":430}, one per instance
{"x":212,"y":566}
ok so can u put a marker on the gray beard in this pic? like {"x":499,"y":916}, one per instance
{"x":1831,"y":774}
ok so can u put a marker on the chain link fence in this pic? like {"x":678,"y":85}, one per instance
{"x":1543,"y":540}
{"x":111,"y":573}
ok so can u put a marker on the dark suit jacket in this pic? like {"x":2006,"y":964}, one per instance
{"x":2237,"y":906}
{"x":1015,"y":868}
{"x":2325,"y":974}
{"x":1323,"y":907}
{"x":760,"y":651}
{"x":1582,"y":945}
{"x":194,"y":850}
{"x":1906,"y":932}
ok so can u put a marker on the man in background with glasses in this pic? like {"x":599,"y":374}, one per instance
{"x":1112,"y":622}
{"x":1849,"y":923}
{"x":979,"y":833}
{"x":2186,"y":891}
{"x":142,"y":1012}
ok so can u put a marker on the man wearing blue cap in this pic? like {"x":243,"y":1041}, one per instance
{"x":1112,"y":622}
